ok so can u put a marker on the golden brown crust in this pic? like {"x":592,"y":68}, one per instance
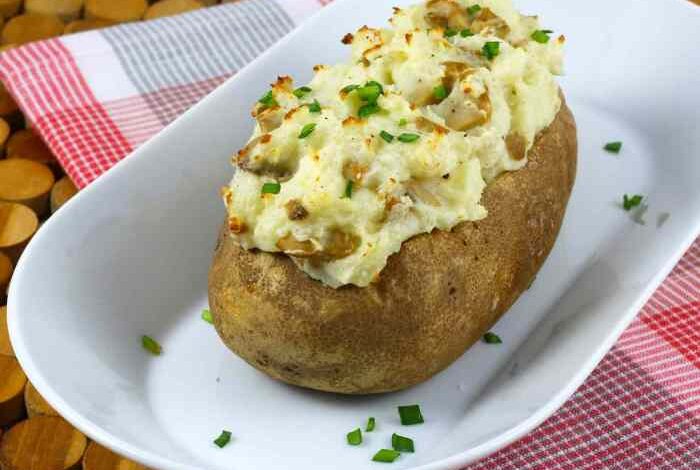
{"x":434,"y":299}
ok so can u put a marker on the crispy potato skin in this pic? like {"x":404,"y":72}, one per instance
{"x":434,"y":299}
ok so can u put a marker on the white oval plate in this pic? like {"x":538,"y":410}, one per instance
{"x":129,"y":256}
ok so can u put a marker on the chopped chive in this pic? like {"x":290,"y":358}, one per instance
{"x":386,"y":136}
{"x":407,"y":137}
{"x":377,"y":84}
{"x":368,"y":109}
{"x":466,"y":32}
{"x":371,"y":423}
{"x":370,"y":92}
{"x":403,"y":122}
{"x":348,"y":190}
{"x":151,"y":345}
{"x":386,"y":456}
{"x":440,"y":92}
{"x":350,"y":88}
{"x":492,"y":338}
{"x":301,"y":91}
{"x":355,"y":437}
{"x":473,"y":10}
{"x":268,"y":100}
{"x":449,"y":32}
{"x":307,"y":130}
{"x":314,"y":107}
{"x":491,"y":49}
{"x":630,"y":202}
{"x":271,"y":188}
{"x":410,"y":414}
{"x":613,"y":147}
{"x":402,"y":443}
{"x":206,"y":316}
{"x":541,"y":36}
{"x":223,"y":440}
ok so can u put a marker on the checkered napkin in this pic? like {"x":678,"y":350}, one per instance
{"x":96,"y":96}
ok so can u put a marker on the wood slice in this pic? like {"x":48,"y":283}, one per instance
{"x":120,"y":12}
{"x":61,"y":192}
{"x":66,"y":10}
{"x":31,"y":27}
{"x":78,"y":26}
{"x":35,"y":403}
{"x":4,"y":135}
{"x":165,"y":8}
{"x":9,"y":8}
{"x":5,"y":345}
{"x":100,"y":458}
{"x":5,"y":276}
{"x":27,"y":144}
{"x":26,"y":182}
{"x":8,"y":107}
{"x":17,"y":226}
{"x":42,"y":443}
{"x":11,"y":391}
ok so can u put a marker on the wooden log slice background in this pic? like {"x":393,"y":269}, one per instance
{"x":35,"y":404}
{"x":42,"y":443}
{"x":100,"y":458}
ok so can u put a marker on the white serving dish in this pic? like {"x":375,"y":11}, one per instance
{"x":129,"y":255}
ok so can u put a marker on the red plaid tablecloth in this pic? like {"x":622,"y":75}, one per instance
{"x":95,"y":97}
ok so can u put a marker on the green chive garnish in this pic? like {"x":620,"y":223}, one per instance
{"x":355,"y":437}
{"x":386,"y":456}
{"x":206,"y":316}
{"x":377,"y":84}
{"x":630,"y":202}
{"x":613,"y":147}
{"x":370,"y":92}
{"x":466,"y":32}
{"x":151,"y":345}
{"x":440,"y":92}
{"x":350,"y":88}
{"x":300,"y":92}
{"x":371,"y":423}
{"x":268,"y":100}
{"x":403,"y":122}
{"x":271,"y":188}
{"x":368,"y":109}
{"x":473,"y":10}
{"x":402,"y":443}
{"x":492,"y":338}
{"x":307,"y":130}
{"x":541,"y":36}
{"x":451,"y":32}
{"x":314,"y":107}
{"x":386,"y":136}
{"x":348,"y":190}
{"x":407,"y":137}
{"x":491,"y":49}
{"x":410,"y":415}
{"x":223,"y":439}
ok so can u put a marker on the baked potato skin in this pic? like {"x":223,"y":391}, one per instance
{"x":433,"y":300}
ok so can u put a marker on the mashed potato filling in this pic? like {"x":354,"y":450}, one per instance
{"x":399,"y":140}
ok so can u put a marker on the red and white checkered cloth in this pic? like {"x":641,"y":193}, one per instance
{"x":94,"y":97}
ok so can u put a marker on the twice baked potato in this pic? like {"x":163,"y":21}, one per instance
{"x":433,"y":300}
{"x":453,"y":199}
